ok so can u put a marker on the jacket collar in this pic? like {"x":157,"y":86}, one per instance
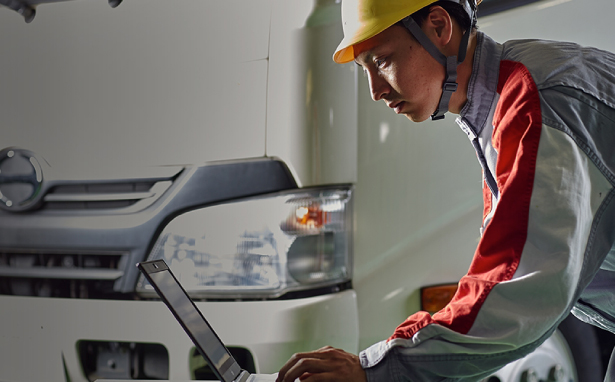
{"x":482,"y":87}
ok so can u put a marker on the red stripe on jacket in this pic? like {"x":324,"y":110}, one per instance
{"x":517,"y":125}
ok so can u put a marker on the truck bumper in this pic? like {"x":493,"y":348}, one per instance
{"x":39,"y":337}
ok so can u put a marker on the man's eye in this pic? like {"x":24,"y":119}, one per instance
{"x":379,"y":62}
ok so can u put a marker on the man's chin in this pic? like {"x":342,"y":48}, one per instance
{"x":416,"y":118}
{"x":414,"y":115}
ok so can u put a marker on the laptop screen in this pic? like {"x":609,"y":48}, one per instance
{"x":191,"y":319}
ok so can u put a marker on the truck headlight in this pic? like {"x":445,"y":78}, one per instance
{"x":261,"y":247}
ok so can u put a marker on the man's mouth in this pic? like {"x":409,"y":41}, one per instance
{"x":396,"y":105}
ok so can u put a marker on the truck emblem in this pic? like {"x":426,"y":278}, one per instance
{"x":21,"y":180}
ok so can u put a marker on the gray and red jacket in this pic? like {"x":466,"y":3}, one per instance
{"x":541,"y":116}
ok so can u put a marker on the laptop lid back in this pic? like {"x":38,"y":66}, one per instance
{"x":196,"y":326}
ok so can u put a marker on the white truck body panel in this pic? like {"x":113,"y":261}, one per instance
{"x":44,"y":332}
{"x":120,"y":89}
{"x":101,"y":85}
{"x":310,"y":125}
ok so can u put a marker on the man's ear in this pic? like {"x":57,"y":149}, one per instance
{"x":438,"y":26}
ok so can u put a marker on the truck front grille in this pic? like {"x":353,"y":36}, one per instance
{"x":131,"y":196}
{"x":60,"y":274}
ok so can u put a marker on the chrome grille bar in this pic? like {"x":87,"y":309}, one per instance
{"x":97,"y":197}
{"x":94,"y":196}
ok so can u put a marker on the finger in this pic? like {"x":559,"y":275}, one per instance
{"x":338,"y":366}
{"x":289,"y":364}
{"x":307,"y":365}
{"x":321,"y":353}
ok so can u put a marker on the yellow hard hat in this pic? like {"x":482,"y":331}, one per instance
{"x":363,"y":19}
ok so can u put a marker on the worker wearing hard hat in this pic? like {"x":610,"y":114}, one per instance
{"x":540,"y":116}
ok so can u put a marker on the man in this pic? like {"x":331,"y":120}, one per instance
{"x":541,"y":116}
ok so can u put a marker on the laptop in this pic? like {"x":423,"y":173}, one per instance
{"x":196,"y":326}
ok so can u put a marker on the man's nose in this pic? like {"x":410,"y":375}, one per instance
{"x":378,"y":87}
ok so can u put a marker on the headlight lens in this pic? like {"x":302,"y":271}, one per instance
{"x":261,"y":247}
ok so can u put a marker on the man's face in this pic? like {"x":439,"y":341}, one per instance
{"x":401,"y":72}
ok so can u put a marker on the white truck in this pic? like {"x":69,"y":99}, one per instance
{"x":220,"y":136}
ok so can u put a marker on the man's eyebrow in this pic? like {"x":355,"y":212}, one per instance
{"x":366,"y":56}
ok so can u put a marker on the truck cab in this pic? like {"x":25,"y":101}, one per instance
{"x":221,"y":137}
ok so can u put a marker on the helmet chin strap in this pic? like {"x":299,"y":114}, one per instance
{"x":450,"y":63}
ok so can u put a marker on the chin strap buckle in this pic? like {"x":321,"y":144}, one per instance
{"x":447,"y":92}
{"x":450,"y":87}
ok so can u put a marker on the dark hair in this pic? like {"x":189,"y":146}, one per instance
{"x":455,"y":10}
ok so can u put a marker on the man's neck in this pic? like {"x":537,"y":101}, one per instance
{"x":464,"y":71}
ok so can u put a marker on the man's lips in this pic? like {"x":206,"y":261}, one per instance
{"x":396,"y":105}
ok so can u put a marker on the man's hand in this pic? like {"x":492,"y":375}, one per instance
{"x":326,"y":364}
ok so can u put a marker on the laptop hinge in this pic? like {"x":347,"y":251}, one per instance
{"x":243,"y":376}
